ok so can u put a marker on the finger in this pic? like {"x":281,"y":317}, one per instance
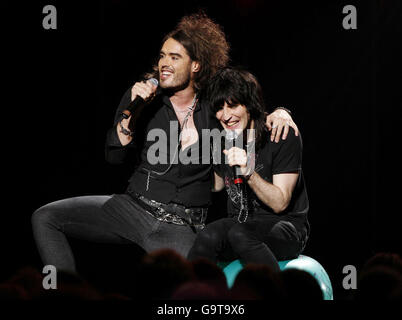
{"x":273,"y":132}
{"x":279,"y":132}
{"x":143,"y":91}
{"x":143,"y":94}
{"x":150,"y":86}
{"x":136,"y":88}
{"x":285,"y":131}
{"x":268,"y":123}
{"x":294,"y":126}
{"x":231,"y":160}
{"x":240,"y":155}
{"x":228,"y":157}
{"x":238,"y":158}
{"x":149,"y":92}
{"x":236,"y":149}
{"x":134,"y":93}
{"x":145,"y":86}
{"x":140,"y":85}
{"x":139,"y":89}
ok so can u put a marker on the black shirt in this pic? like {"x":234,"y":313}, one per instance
{"x":180,"y":182}
{"x":272,"y":158}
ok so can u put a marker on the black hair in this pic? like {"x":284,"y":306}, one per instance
{"x":236,"y":86}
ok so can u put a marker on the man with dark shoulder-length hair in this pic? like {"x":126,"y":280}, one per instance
{"x":166,"y":202}
{"x":267,"y":210}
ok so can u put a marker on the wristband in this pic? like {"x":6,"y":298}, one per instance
{"x":125,"y":131}
{"x":247,"y":177}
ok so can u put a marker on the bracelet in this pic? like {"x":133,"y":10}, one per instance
{"x":247,"y":177}
{"x":283,"y":108}
{"x":125,"y":131}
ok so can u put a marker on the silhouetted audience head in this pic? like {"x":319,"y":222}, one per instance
{"x":207,"y":272}
{"x":378,"y":283}
{"x":160,"y":273}
{"x":197,"y":290}
{"x":387,"y":259}
{"x":380,"y":278}
{"x":165,"y":274}
{"x":300,"y":285}
{"x":13,"y":292}
{"x":26,"y":283}
{"x":257,"y":282}
{"x":71,"y":287}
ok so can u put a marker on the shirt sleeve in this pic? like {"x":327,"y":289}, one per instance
{"x":288,"y":154}
{"x":124,"y":102}
{"x":115,"y":152}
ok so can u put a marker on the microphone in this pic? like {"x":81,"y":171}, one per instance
{"x":138,"y":102}
{"x":238,"y":179}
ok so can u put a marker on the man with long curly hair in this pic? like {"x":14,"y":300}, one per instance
{"x":165,"y":203}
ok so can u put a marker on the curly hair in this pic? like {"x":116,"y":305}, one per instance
{"x":205,"y":42}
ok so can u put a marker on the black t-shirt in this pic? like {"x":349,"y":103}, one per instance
{"x":183,"y":183}
{"x":272,"y":158}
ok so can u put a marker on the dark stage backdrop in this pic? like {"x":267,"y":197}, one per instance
{"x":61,"y":87}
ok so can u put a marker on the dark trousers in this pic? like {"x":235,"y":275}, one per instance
{"x":103,"y":219}
{"x":262,"y":239}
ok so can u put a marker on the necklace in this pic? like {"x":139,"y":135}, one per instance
{"x":184,"y":115}
{"x":183,"y":111}
{"x":187,"y":109}
{"x":184,"y":124}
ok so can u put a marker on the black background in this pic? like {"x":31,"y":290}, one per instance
{"x":61,"y":87}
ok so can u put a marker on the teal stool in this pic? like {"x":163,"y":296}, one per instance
{"x":304,"y":263}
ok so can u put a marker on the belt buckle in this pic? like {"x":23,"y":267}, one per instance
{"x":172,"y":218}
{"x":168,"y":218}
{"x":160,"y":211}
{"x":199,"y":226}
{"x":177,"y":220}
{"x":153,"y":202}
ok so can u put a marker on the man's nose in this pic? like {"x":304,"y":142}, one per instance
{"x":226,"y":115}
{"x":163,"y":62}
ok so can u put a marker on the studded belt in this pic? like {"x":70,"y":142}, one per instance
{"x":173,"y":213}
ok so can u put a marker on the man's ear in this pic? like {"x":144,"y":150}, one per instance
{"x":195,"y":66}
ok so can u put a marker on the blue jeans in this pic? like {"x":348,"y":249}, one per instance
{"x":103,"y":219}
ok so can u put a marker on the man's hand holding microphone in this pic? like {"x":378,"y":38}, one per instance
{"x":141,"y":93}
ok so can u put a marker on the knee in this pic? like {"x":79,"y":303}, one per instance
{"x":207,"y":238}
{"x":285,"y":230}
{"x":42,"y":216}
{"x":206,"y":242}
{"x":239,"y":237}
